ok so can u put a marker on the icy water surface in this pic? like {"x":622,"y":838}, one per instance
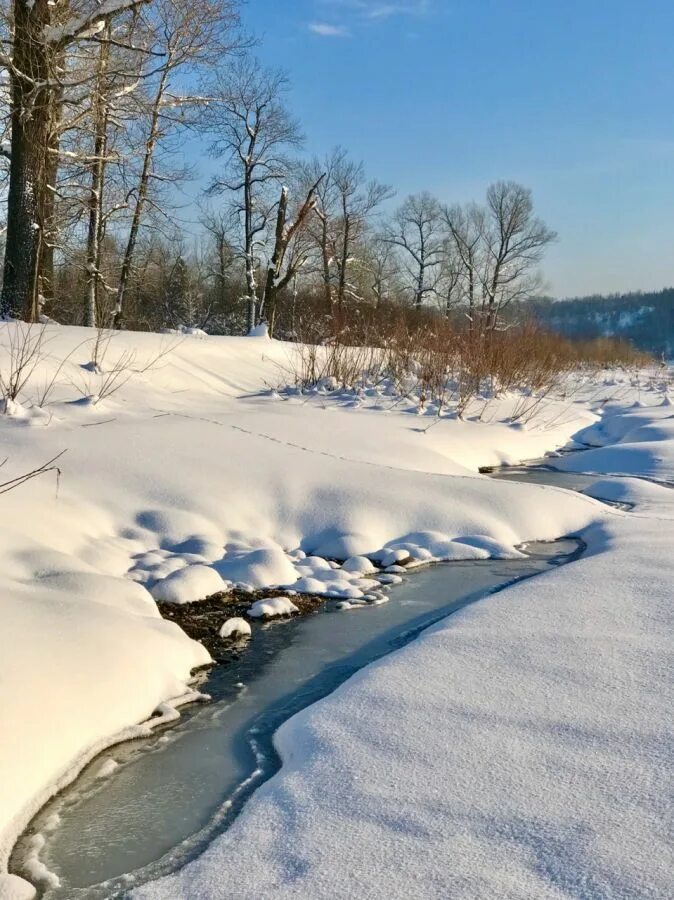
{"x":545,"y":474}
{"x":172,"y":793}
{"x":542,"y":474}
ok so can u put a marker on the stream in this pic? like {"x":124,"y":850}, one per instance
{"x":169,"y":795}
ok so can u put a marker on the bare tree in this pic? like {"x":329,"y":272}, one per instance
{"x":100,"y":141}
{"x":380,"y":264}
{"x":185,"y":36}
{"x":465,"y":249}
{"x":217,"y":226}
{"x":515,"y":240}
{"x":253,"y":130}
{"x":325,"y":212}
{"x":346,"y":203}
{"x":41,"y":31}
{"x":290,"y":252}
{"x":417,"y":230}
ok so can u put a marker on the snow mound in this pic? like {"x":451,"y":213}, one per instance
{"x":14,"y":888}
{"x":393,"y":557}
{"x":271,"y":607}
{"x":188,"y":585}
{"x":316,"y":563}
{"x":266,"y":567}
{"x":175,"y":526}
{"x":235,"y":627}
{"x":358,"y":564}
{"x":390,"y":578}
{"x":259,"y":331}
{"x":344,"y":545}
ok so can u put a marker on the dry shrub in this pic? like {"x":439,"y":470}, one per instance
{"x":344,"y":365}
{"x":443,"y":361}
{"x":610,"y":352}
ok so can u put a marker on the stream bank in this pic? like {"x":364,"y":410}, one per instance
{"x":149,"y":806}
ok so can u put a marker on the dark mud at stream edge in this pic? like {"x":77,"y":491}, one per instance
{"x":202,"y":619}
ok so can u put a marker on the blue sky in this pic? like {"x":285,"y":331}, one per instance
{"x":574,"y":99}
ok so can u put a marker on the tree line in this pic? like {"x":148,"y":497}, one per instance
{"x":645,"y":318}
{"x":98,"y":101}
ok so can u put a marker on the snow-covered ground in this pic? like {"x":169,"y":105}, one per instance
{"x":194,"y":475}
{"x":522,"y":749}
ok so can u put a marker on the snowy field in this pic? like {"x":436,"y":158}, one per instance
{"x":529,"y":754}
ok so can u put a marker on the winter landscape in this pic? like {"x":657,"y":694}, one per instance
{"x":336,"y":550}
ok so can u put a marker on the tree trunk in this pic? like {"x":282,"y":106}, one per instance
{"x":344,"y":261}
{"x":325,"y":261}
{"x":249,"y":251}
{"x":95,"y":230}
{"x":31,"y":111}
{"x":140,"y":200}
{"x":276,"y":261}
{"x":419,"y":293}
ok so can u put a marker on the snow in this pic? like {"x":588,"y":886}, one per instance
{"x":358,"y":564}
{"x":266,"y":567}
{"x":523,"y":748}
{"x":390,"y":579}
{"x":272,"y":607}
{"x":107,"y":768}
{"x":644,"y":496}
{"x":188,"y":584}
{"x":393,"y":557}
{"x":14,"y":888}
{"x":235,"y":627}
{"x":87,"y":24}
{"x":194,"y":475}
{"x":640,"y":442}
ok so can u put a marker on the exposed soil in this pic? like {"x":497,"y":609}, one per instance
{"x":203,"y":619}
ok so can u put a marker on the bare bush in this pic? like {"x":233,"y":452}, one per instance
{"x":45,"y":468}
{"x":441,"y":365}
{"x":112,"y":377}
{"x":26,"y":350}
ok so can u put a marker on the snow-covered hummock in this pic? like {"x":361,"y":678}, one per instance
{"x":235,"y":627}
{"x":173,"y":486}
{"x":523,"y":748}
{"x":638,"y":442}
{"x":272,"y":607}
{"x":193,"y":582}
{"x":359,"y":564}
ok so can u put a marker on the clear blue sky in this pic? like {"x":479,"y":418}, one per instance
{"x":574,"y":98}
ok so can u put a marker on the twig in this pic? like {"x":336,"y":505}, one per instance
{"x":49,"y":466}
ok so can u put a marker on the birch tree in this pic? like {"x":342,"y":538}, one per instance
{"x":41,"y":32}
{"x":253,"y":131}
{"x":187,"y":38}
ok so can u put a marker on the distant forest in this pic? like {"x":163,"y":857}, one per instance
{"x":645,"y":319}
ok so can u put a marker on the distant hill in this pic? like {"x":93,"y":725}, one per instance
{"x":645,"y":319}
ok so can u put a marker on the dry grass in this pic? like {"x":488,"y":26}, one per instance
{"x":440,"y":364}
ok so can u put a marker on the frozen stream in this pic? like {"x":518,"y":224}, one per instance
{"x":170,"y":794}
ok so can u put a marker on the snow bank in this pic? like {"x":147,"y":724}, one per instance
{"x":637,"y":442}
{"x":644,"y":496}
{"x":191,"y":476}
{"x":523,"y":748}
